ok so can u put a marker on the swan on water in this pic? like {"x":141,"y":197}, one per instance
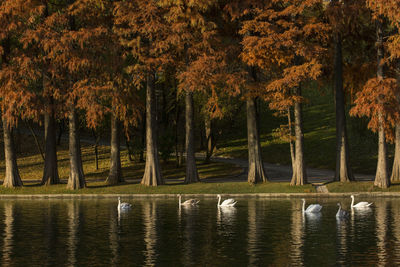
{"x":123,"y":206}
{"x":341,"y":214}
{"x":313,"y":208}
{"x":188,"y":202}
{"x":362,"y":204}
{"x":230,"y":202}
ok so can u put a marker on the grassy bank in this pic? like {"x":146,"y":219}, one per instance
{"x":171,"y":188}
{"x":337,"y":187}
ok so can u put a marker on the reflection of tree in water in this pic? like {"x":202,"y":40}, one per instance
{"x":396,"y":229}
{"x":381,"y":230}
{"x":252,"y":236}
{"x":8,"y":232}
{"x":189,"y":216}
{"x":114,"y":236}
{"x":150,"y":232}
{"x":297,"y":233}
{"x":73,"y":228}
{"x":341,"y":240}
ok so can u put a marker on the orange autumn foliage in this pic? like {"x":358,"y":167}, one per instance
{"x":379,"y":97}
{"x":284,"y":39}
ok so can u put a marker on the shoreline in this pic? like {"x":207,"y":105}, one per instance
{"x":237,"y":195}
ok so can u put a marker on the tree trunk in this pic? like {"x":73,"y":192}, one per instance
{"x":256,"y":171}
{"x":299,"y":172}
{"x":39,"y":147}
{"x":60,"y":131}
{"x":343,"y":171}
{"x":396,"y":162}
{"x":210,"y":145}
{"x":382,"y":176}
{"x":115,"y":175}
{"x":192,"y":175}
{"x":76,"y":178}
{"x":292,"y":152}
{"x":152,"y":173}
{"x":12,"y":178}
{"x":50,"y":173}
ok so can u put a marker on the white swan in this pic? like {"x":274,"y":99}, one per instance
{"x":230,"y":202}
{"x":188,"y":202}
{"x":341,"y":214}
{"x":362,"y":204}
{"x":313,"y":208}
{"x":123,"y":206}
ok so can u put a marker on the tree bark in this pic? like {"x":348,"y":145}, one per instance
{"x":12,"y":177}
{"x":115,"y":175}
{"x":395,"y":177}
{"x":76,"y":178}
{"x":381,"y":177}
{"x":291,"y":145}
{"x":192,"y":175}
{"x":50,"y":173}
{"x":343,"y":171}
{"x":152,"y":173}
{"x":299,"y":172}
{"x":256,"y":171}
{"x":210,"y":142}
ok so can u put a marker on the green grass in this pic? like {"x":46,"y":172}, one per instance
{"x":31,"y":169}
{"x":171,"y":188}
{"x":337,"y":187}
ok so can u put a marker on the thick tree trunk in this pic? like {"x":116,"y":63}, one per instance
{"x":192,"y":175}
{"x":50,"y":173}
{"x":152,"y":173}
{"x":115,"y":175}
{"x":396,"y":162}
{"x":12,"y":178}
{"x":381,"y":177}
{"x":76,"y":178}
{"x":256,"y":171}
{"x":343,"y":171}
{"x":299,"y":172}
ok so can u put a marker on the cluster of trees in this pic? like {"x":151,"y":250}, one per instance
{"x":92,"y":58}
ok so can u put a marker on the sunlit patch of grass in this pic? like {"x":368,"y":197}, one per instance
{"x":31,"y":165}
{"x":173,"y":187}
{"x":338,"y":187}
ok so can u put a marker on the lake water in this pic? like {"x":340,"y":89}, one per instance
{"x":258,"y":232}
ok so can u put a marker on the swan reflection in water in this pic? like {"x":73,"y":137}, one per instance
{"x":341,"y":238}
{"x":226,"y":215}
